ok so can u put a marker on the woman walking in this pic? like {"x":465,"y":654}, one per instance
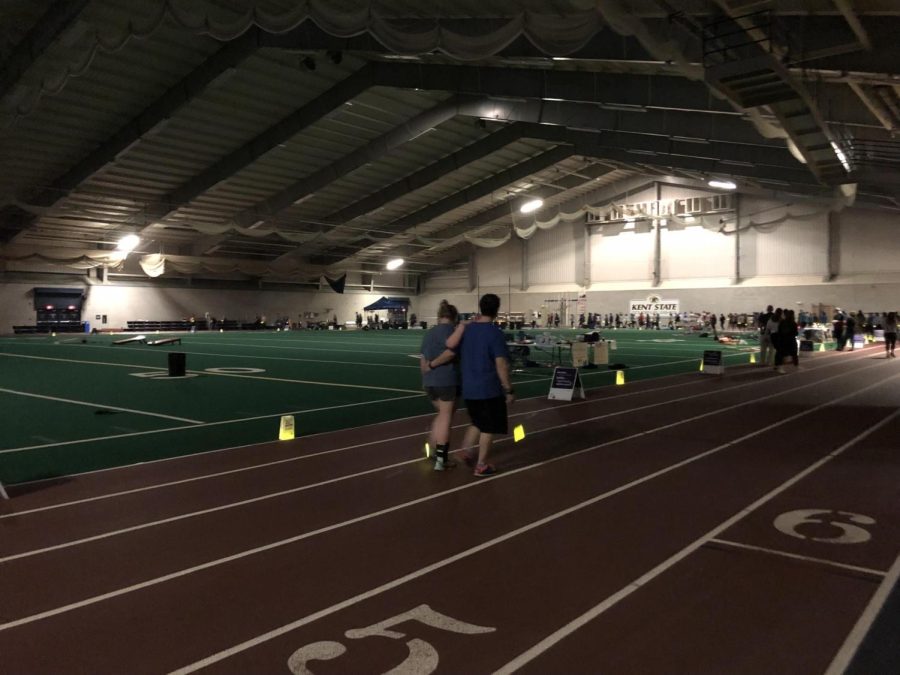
{"x":441,"y":382}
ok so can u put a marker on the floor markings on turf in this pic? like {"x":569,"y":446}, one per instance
{"x":269,"y":358}
{"x":100,"y":405}
{"x":200,"y":425}
{"x":252,"y":377}
{"x":396,"y":507}
{"x":795,"y":556}
{"x":642,"y":580}
{"x":312,"y":349}
{"x":854,"y":639}
{"x":341,"y":449}
{"x":566,"y":630}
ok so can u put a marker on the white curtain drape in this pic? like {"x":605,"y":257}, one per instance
{"x":395,"y":25}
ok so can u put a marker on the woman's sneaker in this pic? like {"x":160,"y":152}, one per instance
{"x":443,"y":464}
{"x":485,"y":470}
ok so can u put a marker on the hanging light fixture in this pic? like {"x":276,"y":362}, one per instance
{"x":128,"y":243}
{"x":532,"y":205}
{"x":394,"y":264}
{"x":722,"y":184}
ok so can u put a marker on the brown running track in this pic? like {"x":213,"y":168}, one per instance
{"x":632,"y":532}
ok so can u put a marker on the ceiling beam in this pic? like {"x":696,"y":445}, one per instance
{"x":271,"y":138}
{"x":163,"y":108}
{"x":483,"y":188}
{"x":370,"y":152}
{"x":44,"y":33}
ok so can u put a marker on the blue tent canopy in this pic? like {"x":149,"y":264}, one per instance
{"x":388,"y":303}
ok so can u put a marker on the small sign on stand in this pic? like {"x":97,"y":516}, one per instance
{"x":712,"y":362}
{"x":565,"y":384}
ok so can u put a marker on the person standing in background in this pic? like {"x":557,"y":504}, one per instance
{"x":890,"y":334}
{"x":765,"y":341}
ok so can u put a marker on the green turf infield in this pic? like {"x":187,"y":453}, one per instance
{"x":77,"y":403}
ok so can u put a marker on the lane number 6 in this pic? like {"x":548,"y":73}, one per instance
{"x":847,"y":523}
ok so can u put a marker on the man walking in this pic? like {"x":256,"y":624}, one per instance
{"x":486,"y":388}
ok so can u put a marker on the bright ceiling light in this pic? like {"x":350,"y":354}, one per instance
{"x":128,"y":243}
{"x":722,"y":184}
{"x":394,"y":264}
{"x":532,"y":205}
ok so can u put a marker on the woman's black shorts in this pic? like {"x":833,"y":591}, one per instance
{"x":442,"y":393}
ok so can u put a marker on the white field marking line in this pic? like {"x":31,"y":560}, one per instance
{"x":99,"y":405}
{"x":253,"y":467}
{"x":364,"y":426}
{"x":205,"y":424}
{"x":614,"y":599}
{"x":796,"y":556}
{"x":333,"y":450}
{"x":848,"y":650}
{"x":277,"y":632}
{"x":459,"y":556}
{"x":268,"y":358}
{"x":204,"y":372}
{"x":312,"y":349}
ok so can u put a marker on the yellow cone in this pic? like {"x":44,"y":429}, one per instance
{"x":286,"y":430}
{"x":620,"y":377}
{"x":701,"y":365}
{"x":752,"y":357}
{"x":821,"y":346}
{"x":518,"y":433}
{"x":427,"y":451}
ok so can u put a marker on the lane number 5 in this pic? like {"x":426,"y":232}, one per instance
{"x":422,"y":659}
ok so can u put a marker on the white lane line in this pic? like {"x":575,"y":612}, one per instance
{"x":205,"y":424}
{"x":99,"y":405}
{"x":204,"y":372}
{"x":256,"y":357}
{"x":252,"y":467}
{"x":421,"y":500}
{"x":615,"y":598}
{"x":281,"y":630}
{"x":795,"y":556}
{"x":309,"y":349}
{"x":848,"y":650}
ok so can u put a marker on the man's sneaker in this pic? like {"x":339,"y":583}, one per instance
{"x":443,"y":465}
{"x":485,"y":470}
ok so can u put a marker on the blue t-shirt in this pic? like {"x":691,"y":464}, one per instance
{"x":433,"y":345}
{"x":481,"y":344}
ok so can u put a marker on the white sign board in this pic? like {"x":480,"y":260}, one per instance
{"x":653,"y":304}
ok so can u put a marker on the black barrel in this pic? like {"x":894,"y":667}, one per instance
{"x":177,"y":364}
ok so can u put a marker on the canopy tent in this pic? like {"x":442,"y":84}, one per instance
{"x":388,"y":303}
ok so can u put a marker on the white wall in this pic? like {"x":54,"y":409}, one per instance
{"x":123,"y":303}
{"x":783,"y":263}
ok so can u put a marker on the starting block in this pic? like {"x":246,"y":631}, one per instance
{"x":137,"y":338}
{"x":165,"y":341}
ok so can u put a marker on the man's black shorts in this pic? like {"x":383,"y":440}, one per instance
{"x":488,"y":415}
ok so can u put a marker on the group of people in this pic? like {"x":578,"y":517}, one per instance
{"x":468,"y":361}
{"x":778,"y":331}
